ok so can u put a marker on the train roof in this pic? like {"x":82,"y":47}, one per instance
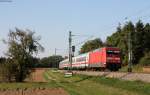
{"x":107,"y":48}
{"x":84,"y":54}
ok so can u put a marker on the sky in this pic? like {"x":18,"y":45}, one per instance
{"x":53,"y":19}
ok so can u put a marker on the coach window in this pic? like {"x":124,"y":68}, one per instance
{"x":73,"y":60}
{"x":81,"y":59}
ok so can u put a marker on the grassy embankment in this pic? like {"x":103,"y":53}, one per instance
{"x":88,"y":85}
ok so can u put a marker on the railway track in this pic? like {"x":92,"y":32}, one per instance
{"x":145,"y":77}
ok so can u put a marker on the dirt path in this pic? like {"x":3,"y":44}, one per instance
{"x":43,"y":91}
{"x":37,"y":75}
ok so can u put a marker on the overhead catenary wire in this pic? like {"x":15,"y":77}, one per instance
{"x":139,"y":12}
{"x":132,"y":17}
{"x":84,"y":41}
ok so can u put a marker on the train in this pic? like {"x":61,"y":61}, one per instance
{"x":99,"y":59}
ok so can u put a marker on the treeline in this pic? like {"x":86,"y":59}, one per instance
{"x":140,"y":41}
{"x":46,"y":62}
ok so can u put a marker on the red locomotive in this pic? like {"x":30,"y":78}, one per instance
{"x":102,"y":58}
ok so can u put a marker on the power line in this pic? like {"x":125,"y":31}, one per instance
{"x":130,"y":16}
{"x":82,"y":35}
{"x":84,"y":41}
{"x":57,"y":49}
{"x":144,"y":17}
{"x":139,"y":12}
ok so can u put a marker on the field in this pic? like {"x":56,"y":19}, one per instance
{"x":88,"y":85}
{"x":55,"y":83}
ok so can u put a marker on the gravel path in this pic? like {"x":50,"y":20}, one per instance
{"x":120,"y":75}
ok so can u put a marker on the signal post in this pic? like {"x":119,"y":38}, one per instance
{"x":69,"y":72}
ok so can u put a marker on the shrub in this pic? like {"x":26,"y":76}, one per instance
{"x":145,"y":61}
{"x":7,"y":71}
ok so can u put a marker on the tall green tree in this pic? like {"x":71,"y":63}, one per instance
{"x":138,"y":41}
{"x":146,"y":37}
{"x":22,"y":45}
{"x":91,"y":45}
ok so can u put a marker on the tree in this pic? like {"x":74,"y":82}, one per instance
{"x":2,"y":60}
{"x":51,"y":61}
{"x":91,"y":45}
{"x":145,"y":61}
{"x":45,"y":62}
{"x":22,"y":45}
{"x":138,"y":42}
{"x":146,"y":37}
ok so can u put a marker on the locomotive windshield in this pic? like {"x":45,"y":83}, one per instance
{"x":113,"y":53}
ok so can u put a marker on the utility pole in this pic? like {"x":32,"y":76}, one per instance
{"x":55,"y":51}
{"x":70,"y":49}
{"x":129,"y":53}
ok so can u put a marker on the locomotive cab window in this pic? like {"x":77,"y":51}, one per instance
{"x":113,"y":53}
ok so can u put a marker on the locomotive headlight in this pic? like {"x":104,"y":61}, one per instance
{"x":109,"y":58}
{"x":117,"y":58}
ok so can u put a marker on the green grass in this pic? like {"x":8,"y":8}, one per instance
{"x":136,"y":86}
{"x":135,"y":68}
{"x":88,"y":85}
{"x":25,"y":85}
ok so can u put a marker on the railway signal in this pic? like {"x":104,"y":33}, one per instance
{"x":73,"y":50}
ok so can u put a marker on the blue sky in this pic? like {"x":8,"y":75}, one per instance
{"x":52,"y":19}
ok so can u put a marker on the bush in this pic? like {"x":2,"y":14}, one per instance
{"x":7,"y":71}
{"x":145,"y":61}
